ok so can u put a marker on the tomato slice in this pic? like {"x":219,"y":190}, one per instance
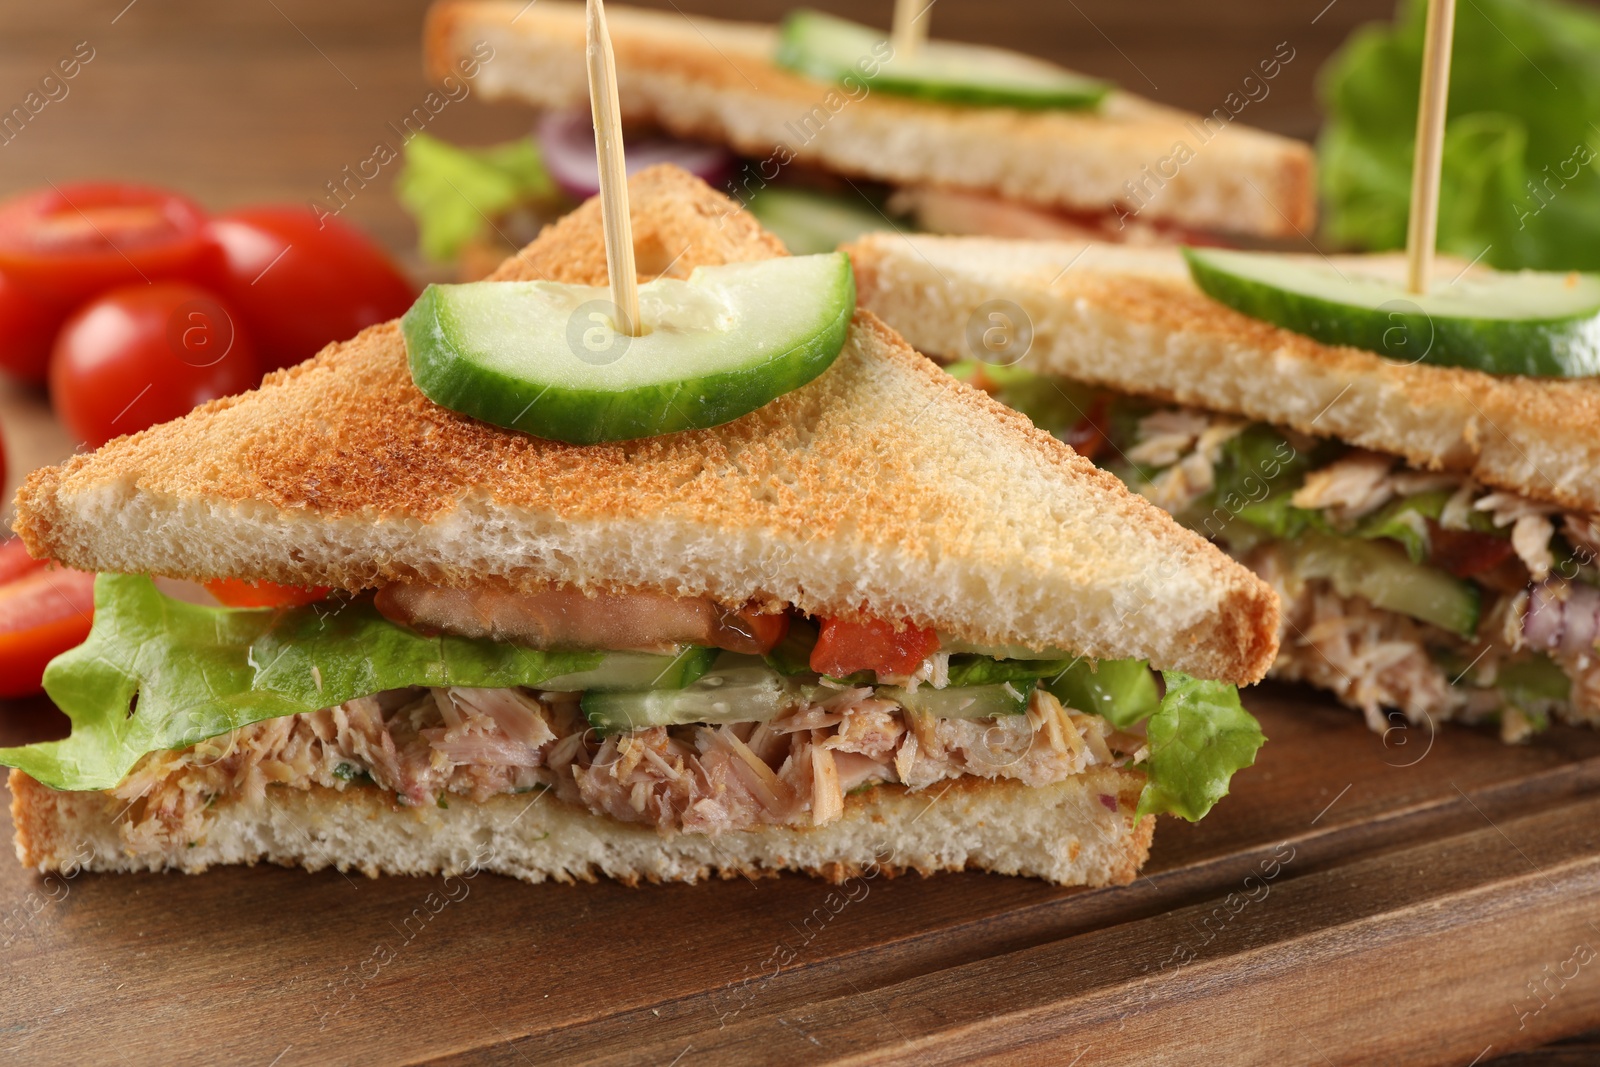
{"x":15,"y":561}
{"x":871,"y":645}
{"x":237,"y":593}
{"x":1465,"y":553}
{"x":1088,"y":438}
{"x":753,"y":633}
{"x":70,"y":241}
{"x":42,"y":614}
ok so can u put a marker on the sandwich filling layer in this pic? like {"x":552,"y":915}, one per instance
{"x":434,"y":747}
{"x":435,"y":696}
{"x":1408,"y":589}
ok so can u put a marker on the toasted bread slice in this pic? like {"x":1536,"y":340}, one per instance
{"x":883,"y":484}
{"x":715,"y":81}
{"x":1131,"y":319}
{"x":1080,"y":831}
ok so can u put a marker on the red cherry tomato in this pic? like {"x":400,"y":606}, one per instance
{"x":301,"y":283}
{"x":843,"y":648}
{"x":237,"y":593}
{"x":15,"y":561}
{"x":143,"y":355}
{"x":69,"y":242}
{"x":28,"y":325}
{"x":42,"y":614}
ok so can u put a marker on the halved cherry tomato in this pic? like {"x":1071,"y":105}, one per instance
{"x":71,"y":241}
{"x":301,"y":282}
{"x":15,"y":561}
{"x":237,"y":593}
{"x":1465,"y":553}
{"x":843,"y":648}
{"x":42,"y":614}
{"x":28,"y":325}
{"x":145,"y":354}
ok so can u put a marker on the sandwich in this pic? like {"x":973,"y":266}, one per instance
{"x":877,"y":622}
{"x":835,"y":133}
{"x":1429,"y":528}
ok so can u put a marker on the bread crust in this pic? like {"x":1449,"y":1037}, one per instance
{"x":1064,"y":833}
{"x":883,"y":485}
{"x":710,"y":79}
{"x":1131,"y":320}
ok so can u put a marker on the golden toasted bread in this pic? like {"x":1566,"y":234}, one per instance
{"x":714,"y":80}
{"x":1132,"y":320}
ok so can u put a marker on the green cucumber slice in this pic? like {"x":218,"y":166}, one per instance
{"x":1381,"y":572}
{"x":638,"y":670}
{"x":834,"y":49}
{"x":543,"y":358}
{"x":736,"y":689}
{"x":955,"y":647}
{"x":1542,"y":323}
{"x":810,"y":222}
{"x":962,"y":702}
{"x":968,"y":669}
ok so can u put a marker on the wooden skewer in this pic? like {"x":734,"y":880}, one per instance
{"x":1422,"y":228}
{"x":616,"y":223}
{"x":910,"y":29}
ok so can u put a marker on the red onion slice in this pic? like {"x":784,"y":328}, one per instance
{"x":566,"y":140}
{"x":1562,"y":616}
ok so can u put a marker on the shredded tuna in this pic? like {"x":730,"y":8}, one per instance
{"x":425,"y":745}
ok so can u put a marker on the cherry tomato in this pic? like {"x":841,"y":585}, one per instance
{"x":15,"y":561}
{"x":301,"y":283}
{"x":28,"y":325}
{"x":872,"y":645}
{"x":42,"y":614}
{"x":143,"y":355}
{"x":72,"y":241}
{"x":238,"y":593}
{"x":1465,"y":553}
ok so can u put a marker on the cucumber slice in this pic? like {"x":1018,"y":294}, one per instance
{"x":1382,"y":573}
{"x":808,"y":222}
{"x":736,"y":689}
{"x":638,"y":670}
{"x":962,"y":702}
{"x":1541,"y":323}
{"x":968,"y":669}
{"x":543,"y":358}
{"x":834,"y":49}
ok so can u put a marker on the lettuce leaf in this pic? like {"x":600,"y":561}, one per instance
{"x":159,"y":674}
{"x":453,"y":193}
{"x":1520,"y":177}
{"x":1199,"y":733}
{"x":1198,"y":738}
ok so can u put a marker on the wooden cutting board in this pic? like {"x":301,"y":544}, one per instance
{"x":1351,"y":902}
{"x":1358,"y":899}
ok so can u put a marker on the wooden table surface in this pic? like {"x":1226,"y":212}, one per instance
{"x":1357,"y":900}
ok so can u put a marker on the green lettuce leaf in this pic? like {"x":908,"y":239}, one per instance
{"x":1198,"y":738}
{"x":454,"y":193}
{"x":1122,"y":691}
{"x":1199,"y":733}
{"x":159,"y":674}
{"x":1520,"y":176}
